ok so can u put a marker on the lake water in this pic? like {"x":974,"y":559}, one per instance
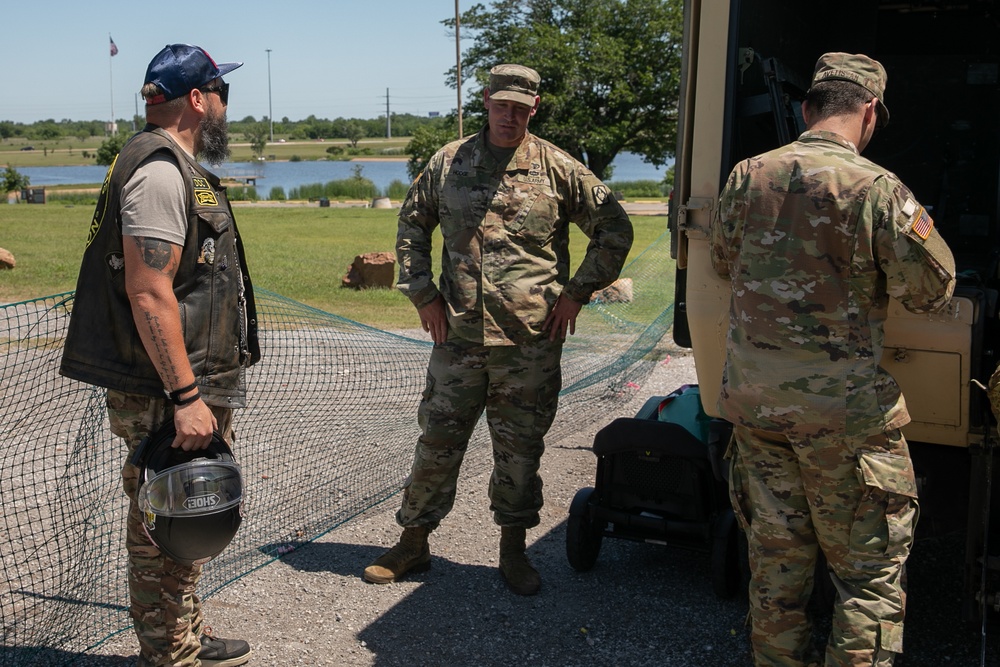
{"x":289,"y":175}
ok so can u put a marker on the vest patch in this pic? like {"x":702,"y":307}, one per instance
{"x":206,"y":197}
{"x":99,"y":212}
{"x":115,"y":262}
{"x":207,"y":255}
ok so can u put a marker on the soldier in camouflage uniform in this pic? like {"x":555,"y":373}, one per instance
{"x":164,"y":318}
{"x":504,"y":200}
{"x":815,"y":239}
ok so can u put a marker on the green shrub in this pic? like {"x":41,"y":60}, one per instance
{"x":633,"y":189}
{"x":243,"y":193}
{"x":355,"y":187}
{"x":71,"y":198}
{"x":397,"y":190}
{"x":277,"y":193}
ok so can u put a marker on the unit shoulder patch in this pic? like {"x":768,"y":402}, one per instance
{"x":602,"y":195}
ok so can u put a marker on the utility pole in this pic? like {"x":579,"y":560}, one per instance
{"x":270,"y":113}
{"x":388,"y":123}
{"x":458,"y":70}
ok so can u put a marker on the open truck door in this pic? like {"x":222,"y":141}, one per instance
{"x":746,"y":67}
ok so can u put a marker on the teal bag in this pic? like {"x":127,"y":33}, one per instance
{"x":683,"y":407}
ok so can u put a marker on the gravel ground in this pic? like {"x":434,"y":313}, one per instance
{"x":642,"y":604}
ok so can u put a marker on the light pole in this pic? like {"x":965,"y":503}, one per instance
{"x":458,"y":69}
{"x":270,"y":113}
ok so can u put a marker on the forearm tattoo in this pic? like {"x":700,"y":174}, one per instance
{"x":156,"y":254}
{"x":159,"y":256}
{"x":166,"y":368}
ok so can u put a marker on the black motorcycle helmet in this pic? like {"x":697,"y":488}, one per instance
{"x":192,"y":502}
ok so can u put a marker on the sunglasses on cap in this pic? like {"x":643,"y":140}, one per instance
{"x":222,"y":89}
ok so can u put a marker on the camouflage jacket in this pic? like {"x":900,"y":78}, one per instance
{"x":815,"y":239}
{"x":505,"y":257}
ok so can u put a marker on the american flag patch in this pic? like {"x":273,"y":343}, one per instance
{"x":923,"y":225}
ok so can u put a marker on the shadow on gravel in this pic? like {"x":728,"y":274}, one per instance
{"x":51,"y":658}
{"x":642,"y":604}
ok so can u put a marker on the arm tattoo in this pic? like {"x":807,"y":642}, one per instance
{"x":161,"y":359}
{"x":156,"y":254}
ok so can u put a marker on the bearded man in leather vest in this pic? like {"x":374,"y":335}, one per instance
{"x":164,"y":319}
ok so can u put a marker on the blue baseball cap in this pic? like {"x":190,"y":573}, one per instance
{"x":180,"y":68}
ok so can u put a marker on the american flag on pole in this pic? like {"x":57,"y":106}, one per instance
{"x":114,"y":49}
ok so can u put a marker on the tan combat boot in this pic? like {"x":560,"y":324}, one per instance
{"x":411,"y":554}
{"x":515,"y":568}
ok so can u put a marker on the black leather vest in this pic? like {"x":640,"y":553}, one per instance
{"x":212,"y":285}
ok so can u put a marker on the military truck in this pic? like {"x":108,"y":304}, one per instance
{"x":746,"y":67}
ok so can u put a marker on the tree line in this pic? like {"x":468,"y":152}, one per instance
{"x":610,"y":81}
{"x":402,"y":125}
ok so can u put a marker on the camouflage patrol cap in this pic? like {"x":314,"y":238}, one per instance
{"x":516,"y":83}
{"x":856,"y":68}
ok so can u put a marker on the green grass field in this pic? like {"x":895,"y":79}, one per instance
{"x":298,"y":252}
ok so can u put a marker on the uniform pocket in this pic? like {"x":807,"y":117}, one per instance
{"x":887,"y":514}
{"x":738,"y":495}
{"x":536,"y":218}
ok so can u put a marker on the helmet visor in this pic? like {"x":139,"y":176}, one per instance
{"x":192,"y":489}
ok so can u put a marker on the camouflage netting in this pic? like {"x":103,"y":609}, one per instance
{"x":328,"y":433}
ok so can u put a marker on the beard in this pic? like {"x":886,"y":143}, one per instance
{"x":214,"y":140}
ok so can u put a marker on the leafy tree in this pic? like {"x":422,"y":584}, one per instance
{"x":426,"y":141}
{"x":256,"y":134}
{"x":610,"y":71}
{"x":13,"y":180}
{"x":354,"y":132}
{"x":47,"y":130}
{"x":110,"y":148}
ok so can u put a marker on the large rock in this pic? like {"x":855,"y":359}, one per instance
{"x":620,"y":291}
{"x":372,"y":269}
{"x":7,"y":260}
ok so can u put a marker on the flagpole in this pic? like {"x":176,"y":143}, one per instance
{"x":111,"y":79}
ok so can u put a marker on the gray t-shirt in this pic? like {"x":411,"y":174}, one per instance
{"x":154,"y":201}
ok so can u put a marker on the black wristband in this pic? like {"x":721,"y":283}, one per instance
{"x":190,"y":399}
{"x":175,"y":396}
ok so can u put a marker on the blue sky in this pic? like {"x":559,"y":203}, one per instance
{"x":331,"y":59}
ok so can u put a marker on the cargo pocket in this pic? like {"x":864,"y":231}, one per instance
{"x":887,"y":514}
{"x":891,"y":637}
{"x":738,"y":495}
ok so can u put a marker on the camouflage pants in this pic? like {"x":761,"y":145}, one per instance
{"x":166,"y":610}
{"x":854,"y":499}
{"x":519,"y":389}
